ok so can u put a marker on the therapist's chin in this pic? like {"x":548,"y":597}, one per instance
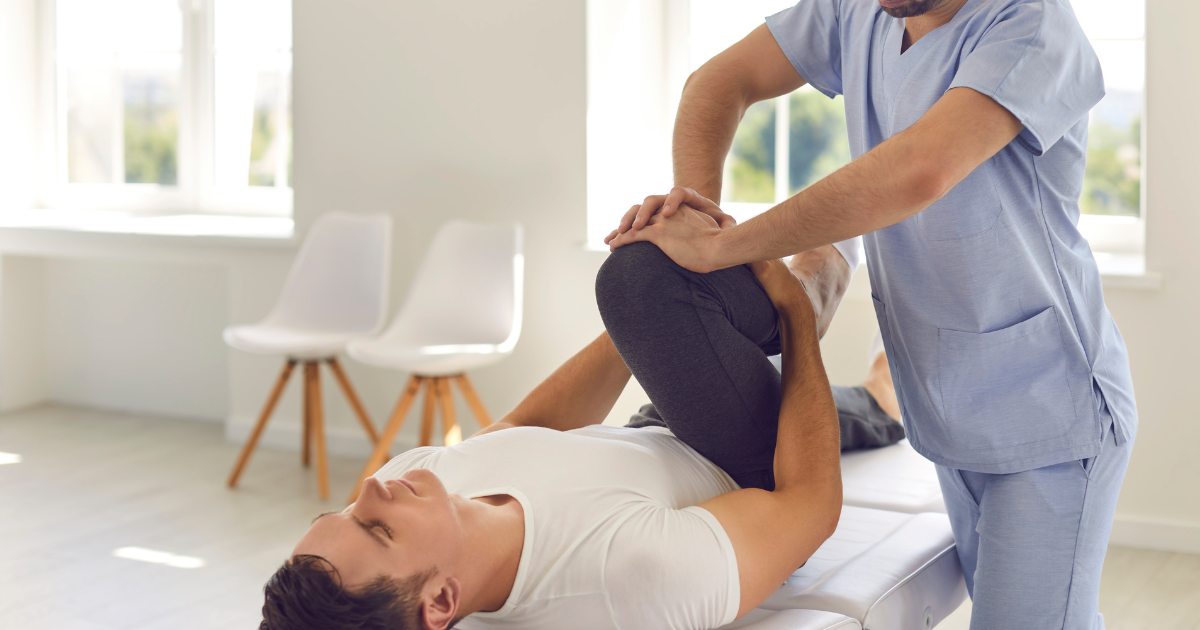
{"x":908,"y":8}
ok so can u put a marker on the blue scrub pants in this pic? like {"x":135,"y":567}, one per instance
{"x":1032,"y":543}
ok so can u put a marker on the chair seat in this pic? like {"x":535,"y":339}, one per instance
{"x":293,"y":342}
{"x":443,"y":360}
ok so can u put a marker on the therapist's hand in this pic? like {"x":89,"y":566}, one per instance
{"x":687,"y":236}
{"x":639,"y":215}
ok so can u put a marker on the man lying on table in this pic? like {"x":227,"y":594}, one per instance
{"x":549,"y":519}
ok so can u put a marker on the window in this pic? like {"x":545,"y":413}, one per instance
{"x":1112,"y":181}
{"x":782,"y":145}
{"x":640,"y":51}
{"x":168,"y":105}
{"x":1112,"y":199}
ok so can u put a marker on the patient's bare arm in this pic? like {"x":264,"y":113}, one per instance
{"x":579,"y":393}
{"x":773,"y":533}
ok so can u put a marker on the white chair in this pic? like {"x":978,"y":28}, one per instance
{"x":463,"y":312}
{"x":336,"y":292}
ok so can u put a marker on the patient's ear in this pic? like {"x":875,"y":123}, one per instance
{"x":441,"y":606}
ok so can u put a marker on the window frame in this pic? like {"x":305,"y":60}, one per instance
{"x":195,"y":191}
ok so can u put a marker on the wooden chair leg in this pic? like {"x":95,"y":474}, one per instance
{"x":427,"y":418}
{"x":473,"y":401}
{"x":306,"y":418}
{"x":451,"y":433}
{"x":389,"y":433}
{"x":352,"y":398}
{"x":317,"y":416}
{"x":252,"y":441}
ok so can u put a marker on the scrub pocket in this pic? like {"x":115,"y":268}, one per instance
{"x":969,"y":209}
{"x":1007,"y":387}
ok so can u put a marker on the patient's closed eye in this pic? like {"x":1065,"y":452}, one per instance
{"x":387,"y":531}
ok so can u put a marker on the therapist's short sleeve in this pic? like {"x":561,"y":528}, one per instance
{"x":672,"y":569}
{"x":1035,"y":60}
{"x":809,"y":35}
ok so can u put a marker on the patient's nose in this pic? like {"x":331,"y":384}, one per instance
{"x":374,"y":489}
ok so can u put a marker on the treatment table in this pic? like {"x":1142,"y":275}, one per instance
{"x":891,"y":563}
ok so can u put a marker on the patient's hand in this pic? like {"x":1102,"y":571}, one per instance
{"x":785,"y":289}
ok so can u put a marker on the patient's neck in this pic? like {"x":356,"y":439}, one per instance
{"x":492,"y":553}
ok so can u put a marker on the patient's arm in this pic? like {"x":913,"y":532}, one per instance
{"x":579,"y":393}
{"x":773,"y":533}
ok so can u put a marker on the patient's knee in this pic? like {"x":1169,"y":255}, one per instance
{"x":633,"y":276}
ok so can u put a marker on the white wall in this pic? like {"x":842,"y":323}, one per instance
{"x":137,"y":336}
{"x":24,"y":378}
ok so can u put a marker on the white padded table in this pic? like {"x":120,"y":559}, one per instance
{"x":880,"y":570}
{"x":895,"y":478}
{"x":761,"y":619}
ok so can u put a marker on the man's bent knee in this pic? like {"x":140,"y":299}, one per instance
{"x":633,"y":280}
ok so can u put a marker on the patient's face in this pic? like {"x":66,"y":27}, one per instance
{"x":396,"y":528}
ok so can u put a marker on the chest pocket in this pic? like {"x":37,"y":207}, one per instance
{"x":970,"y":208}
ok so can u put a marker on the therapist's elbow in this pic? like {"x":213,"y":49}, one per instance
{"x":925,"y":183}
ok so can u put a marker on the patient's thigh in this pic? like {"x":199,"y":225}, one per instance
{"x":698,"y":344}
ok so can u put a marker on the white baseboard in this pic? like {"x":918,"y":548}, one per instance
{"x":1162,"y":535}
{"x":285,"y":436}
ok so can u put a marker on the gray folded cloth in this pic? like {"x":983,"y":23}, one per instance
{"x":863,"y":422}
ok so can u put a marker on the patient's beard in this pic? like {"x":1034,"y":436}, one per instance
{"x":913,"y":9}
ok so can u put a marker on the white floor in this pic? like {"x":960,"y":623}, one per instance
{"x":92,"y":482}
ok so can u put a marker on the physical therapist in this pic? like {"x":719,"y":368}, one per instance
{"x":967,"y":120}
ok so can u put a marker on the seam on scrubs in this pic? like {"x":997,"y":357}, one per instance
{"x":792,"y":57}
{"x":1087,"y":486}
{"x":1008,"y":77}
{"x":1062,"y":284}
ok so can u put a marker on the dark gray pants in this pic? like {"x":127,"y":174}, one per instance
{"x":698,"y":344}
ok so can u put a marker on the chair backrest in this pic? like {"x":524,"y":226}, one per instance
{"x":468,"y":289}
{"x":339,"y":280}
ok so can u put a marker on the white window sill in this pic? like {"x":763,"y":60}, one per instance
{"x":1126,"y":271}
{"x":207,"y":226}
{"x":211,"y":238}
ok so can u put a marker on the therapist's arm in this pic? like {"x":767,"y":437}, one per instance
{"x":893,"y":181}
{"x":773,"y":533}
{"x":714,"y":99}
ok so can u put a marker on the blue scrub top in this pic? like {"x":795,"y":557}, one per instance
{"x":989,"y":300}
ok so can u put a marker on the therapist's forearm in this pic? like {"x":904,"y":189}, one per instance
{"x":709,"y":112}
{"x":890,"y":183}
{"x":883,"y":187}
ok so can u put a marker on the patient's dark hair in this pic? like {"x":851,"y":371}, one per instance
{"x":306,"y":594}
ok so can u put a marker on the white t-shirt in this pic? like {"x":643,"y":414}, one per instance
{"x":613,"y":539}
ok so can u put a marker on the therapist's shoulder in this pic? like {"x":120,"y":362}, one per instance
{"x":1039,"y":16}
